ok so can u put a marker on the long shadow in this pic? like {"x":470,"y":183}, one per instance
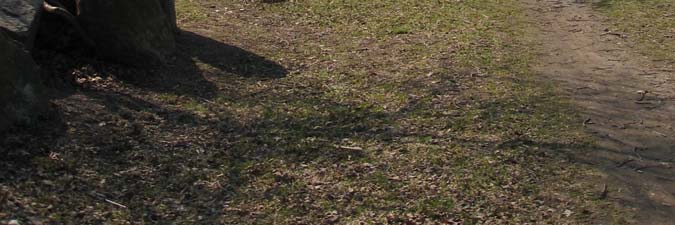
{"x":228,"y":58}
{"x":196,"y":57}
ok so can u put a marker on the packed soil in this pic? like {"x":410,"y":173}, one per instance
{"x":627,"y":103}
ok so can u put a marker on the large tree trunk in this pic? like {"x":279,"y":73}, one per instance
{"x":169,"y":7}
{"x":136,"y":32}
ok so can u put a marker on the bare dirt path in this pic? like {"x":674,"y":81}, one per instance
{"x":602,"y":76}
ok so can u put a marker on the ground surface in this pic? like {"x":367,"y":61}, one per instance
{"x":602,"y":71}
{"x":328,"y":112}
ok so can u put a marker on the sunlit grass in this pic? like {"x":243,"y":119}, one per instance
{"x":650,"y":24}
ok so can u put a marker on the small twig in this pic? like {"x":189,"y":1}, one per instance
{"x":207,"y":101}
{"x":639,"y":169}
{"x":605,"y":192}
{"x":625,"y":162}
{"x":643,"y":94}
{"x":613,"y":33}
{"x":102,"y":197}
{"x":349,"y":148}
{"x":661,"y":134}
{"x":115,"y":203}
{"x":587,"y":121}
{"x":601,"y":68}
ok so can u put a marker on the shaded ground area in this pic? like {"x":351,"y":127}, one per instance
{"x":309,"y":112}
{"x":627,"y":102}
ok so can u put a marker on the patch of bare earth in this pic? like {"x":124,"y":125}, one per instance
{"x":628,"y":104}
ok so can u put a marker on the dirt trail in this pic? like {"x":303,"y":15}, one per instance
{"x":604,"y":78}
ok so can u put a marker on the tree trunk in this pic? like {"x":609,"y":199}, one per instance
{"x":169,"y":7}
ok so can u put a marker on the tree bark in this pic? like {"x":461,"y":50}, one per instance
{"x":169,"y":7}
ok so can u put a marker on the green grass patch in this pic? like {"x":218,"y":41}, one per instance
{"x":650,"y":23}
{"x":190,"y":11}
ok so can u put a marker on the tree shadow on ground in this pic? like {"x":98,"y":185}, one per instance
{"x":228,"y":58}
{"x":109,"y":121}
{"x":185,"y":77}
{"x":20,"y":144}
{"x":198,"y":57}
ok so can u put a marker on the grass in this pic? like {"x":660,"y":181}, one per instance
{"x":398,"y":111}
{"x":190,"y":11}
{"x":648,"y":23}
